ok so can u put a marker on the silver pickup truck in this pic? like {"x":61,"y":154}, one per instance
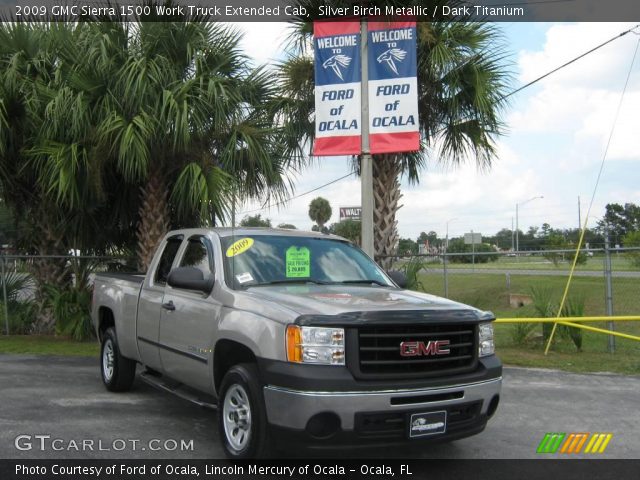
{"x":297,"y":338}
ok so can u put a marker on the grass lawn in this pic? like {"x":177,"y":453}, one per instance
{"x":619,"y":262}
{"x":47,"y":345}
{"x":490,"y":292}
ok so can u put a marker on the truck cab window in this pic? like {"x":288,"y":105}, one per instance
{"x":196,"y":255}
{"x":166,"y":260}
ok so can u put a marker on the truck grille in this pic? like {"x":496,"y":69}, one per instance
{"x":379,"y":350}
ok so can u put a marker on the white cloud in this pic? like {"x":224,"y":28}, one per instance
{"x":263,"y":41}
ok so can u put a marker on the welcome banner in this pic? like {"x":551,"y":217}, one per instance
{"x":338,"y":88}
{"x":393,"y":87}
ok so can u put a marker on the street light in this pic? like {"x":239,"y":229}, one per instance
{"x":517,"y":226}
{"x":446,"y":244}
{"x":444,"y":260}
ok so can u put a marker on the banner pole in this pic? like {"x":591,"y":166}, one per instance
{"x":366,"y":161}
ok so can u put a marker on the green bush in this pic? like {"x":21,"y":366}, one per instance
{"x":521,"y":332}
{"x":411,"y":269}
{"x":458,"y":246}
{"x":546,"y":308}
{"x":632,"y":239}
{"x":543,"y":306}
{"x":21,"y":309}
{"x":71,"y":308}
{"x":21,"y":317}
{"x":573,"y":307}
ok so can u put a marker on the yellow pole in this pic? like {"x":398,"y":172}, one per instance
{"x":601,"y":330}
{"x":619,"y":318}
{"x":566,"y":288}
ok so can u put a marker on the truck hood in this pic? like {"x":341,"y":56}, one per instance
{"x":333,"y":300}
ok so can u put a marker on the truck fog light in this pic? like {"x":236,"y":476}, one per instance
{"x":486,"y":344}
{"x":317,"y":345}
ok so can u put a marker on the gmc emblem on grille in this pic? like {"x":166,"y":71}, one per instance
{"x":418,"y":349}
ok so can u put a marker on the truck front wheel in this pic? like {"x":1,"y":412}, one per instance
{"x":242,"y":418}
{"x":118,"y":372}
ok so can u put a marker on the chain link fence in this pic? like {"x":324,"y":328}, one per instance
{"x":606,"y":282}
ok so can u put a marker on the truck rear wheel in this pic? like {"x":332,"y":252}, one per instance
{"x":117,"y":371}
{"x":242,"y":417}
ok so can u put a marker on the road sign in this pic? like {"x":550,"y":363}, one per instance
{"x":472,"y":238}
{"x":350,"y":213}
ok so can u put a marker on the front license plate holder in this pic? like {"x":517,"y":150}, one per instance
{"x":427,"y":423}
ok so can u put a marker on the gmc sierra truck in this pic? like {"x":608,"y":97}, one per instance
{"x":297,"y":338}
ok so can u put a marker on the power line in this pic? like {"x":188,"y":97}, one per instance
{"x":532,"y":82}
{"x":517,"y":90}
{"x":298,"y":196}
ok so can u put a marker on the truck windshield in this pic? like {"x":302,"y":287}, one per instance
{"x":277,"y":259}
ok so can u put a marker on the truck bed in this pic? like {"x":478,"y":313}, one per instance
{"x":137,"y":277}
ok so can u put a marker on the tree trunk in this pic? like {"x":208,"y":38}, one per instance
{"x":48,"y":271}
{"x":386,"y":195}
{"x":154,"y":217}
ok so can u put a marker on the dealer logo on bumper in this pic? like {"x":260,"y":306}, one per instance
{"x":429,"y":423}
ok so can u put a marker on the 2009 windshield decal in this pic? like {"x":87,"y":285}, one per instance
{"x":239,"y":247}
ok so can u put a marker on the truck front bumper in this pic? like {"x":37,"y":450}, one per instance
{"x":327,"y":419}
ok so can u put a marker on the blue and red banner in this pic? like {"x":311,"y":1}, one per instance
{"x":393,"y":87}
{"x":338,"y":88}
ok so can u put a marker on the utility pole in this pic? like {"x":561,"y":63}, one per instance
{"x":579,"y":216}
{"x":512,"y":236}
{"x":366,"y":161}
{"x":473,"y":252}
{"x":444,"y":260}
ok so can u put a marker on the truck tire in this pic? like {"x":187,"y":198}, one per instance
{"x":242,"y":417}
{"x":117,"y":371}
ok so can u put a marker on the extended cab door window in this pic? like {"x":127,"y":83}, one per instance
{"x":166,"y":260}
{"x":197,"y":254}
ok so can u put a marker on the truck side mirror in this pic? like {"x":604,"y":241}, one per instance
{"x":190,"y":278}
{"x":398,"y":277}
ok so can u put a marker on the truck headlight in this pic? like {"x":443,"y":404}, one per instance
{"x":318,"y":345}
{"x":485,"y":336}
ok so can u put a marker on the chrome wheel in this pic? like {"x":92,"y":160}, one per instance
{"x":107,"y":360}
{"x":236,"y":412}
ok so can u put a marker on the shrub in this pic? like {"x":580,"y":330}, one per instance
{"x":573,"y":307}
{"x":544,"y":308}
{"x":71,"y":309}
{"x":632,"y":239}
{"x":521,"y":332}
{"x":458,"y":246}
{"x":411,"y":269}
{"x":20,"y":306}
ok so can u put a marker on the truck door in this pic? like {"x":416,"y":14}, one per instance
{"x":188,"y":325}
{"x":150,"y":304}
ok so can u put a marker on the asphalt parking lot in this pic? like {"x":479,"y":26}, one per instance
{"x":63,"y":398}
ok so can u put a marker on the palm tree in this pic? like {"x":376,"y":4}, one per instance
{"x":462,"y":80}
{"x":320,"y":212}
{"x":172,"y":108}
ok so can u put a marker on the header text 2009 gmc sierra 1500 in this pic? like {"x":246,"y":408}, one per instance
{"x":297,"y":337}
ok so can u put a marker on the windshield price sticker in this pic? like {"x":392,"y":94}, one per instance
{"x":298,"y":262}
{"x":239,"y":247}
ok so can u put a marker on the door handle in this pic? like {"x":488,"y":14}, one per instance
{"x":169,"y":305}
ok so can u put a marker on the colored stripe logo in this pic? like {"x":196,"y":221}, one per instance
{"x":568,"y":443}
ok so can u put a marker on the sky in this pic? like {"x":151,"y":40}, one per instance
{"x":557,"y":133}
